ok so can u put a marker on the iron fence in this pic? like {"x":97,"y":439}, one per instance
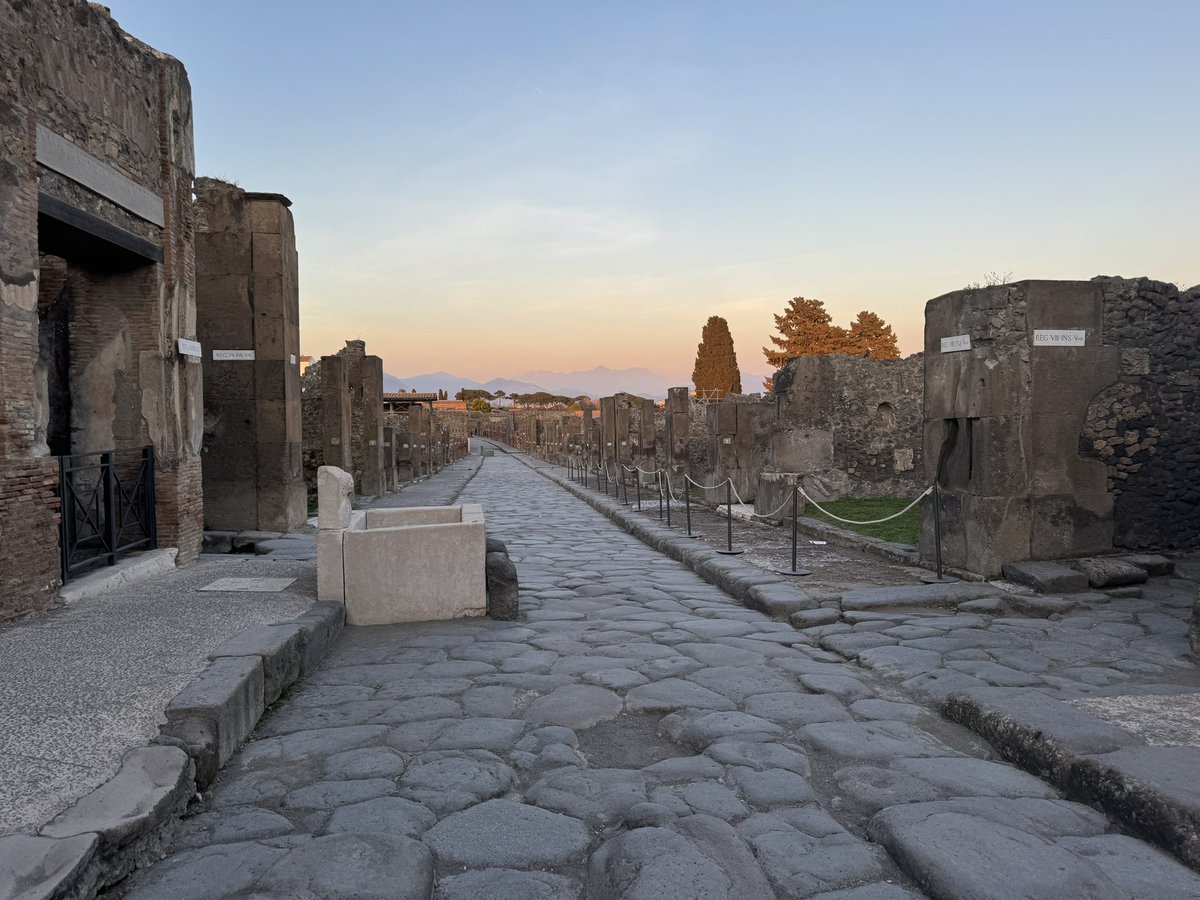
{"x":107,"y":507}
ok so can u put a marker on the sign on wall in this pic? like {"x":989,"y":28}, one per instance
{"x":956,"y":343}
{"x":190,"y":348}
{"x":1058,"y":337}
{"x":233,"y":354}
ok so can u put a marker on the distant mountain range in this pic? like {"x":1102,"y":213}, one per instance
{"x":598,"y":382}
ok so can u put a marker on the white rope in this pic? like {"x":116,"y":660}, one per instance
{"x":926,"y":492}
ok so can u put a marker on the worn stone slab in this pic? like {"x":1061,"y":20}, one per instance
{"x":1108,"y":571}
{"x":916,"y":595}
{"x":363,"y":866}
{"x":778,"y":600}
{"x":1153,"y":790}
{"x":574,"y":706}
{"x":1046,"y":577}
{"x":1039,"y":733}
{"x":214,"y":713}
{"x":278,"y":646}
{"x":656,"y":864}
{"x":508,"y":884}
{"x":953,"y":854}
{"x":506,"y":834}
{"x":43,"y":868}
{"x":319,"y":628}
{"x":1151,"y":563}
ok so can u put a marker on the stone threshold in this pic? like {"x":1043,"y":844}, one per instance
{"x":127,"y":822}
{"x":1151,"y":790}
{"x":133,"y":569}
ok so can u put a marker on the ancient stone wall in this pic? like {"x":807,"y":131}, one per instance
{"x":326,"y":408}
{"x":247,"y":297}
{"x":1145,"y":427}
{"x":850,"y":425}
{"x":1066,"y":425}
{"x":96,"y":141}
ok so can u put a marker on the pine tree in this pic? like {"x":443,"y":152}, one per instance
{"x":805,"y":329}
{"x":716,"y":371}
{"x":871,"y":336}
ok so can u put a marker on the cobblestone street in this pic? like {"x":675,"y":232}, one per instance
{"x":640,"y":734}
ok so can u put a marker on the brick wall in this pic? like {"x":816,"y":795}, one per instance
{"x":29,"y":549}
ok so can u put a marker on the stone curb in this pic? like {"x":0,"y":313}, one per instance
{"x":1147,"y":789}
{"x":128,"y":821}
{"x":754,"y":587}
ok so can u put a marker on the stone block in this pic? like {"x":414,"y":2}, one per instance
{"x":331,"y":579}
{"x":278,"y":646}
{"x":1105,"y":572}
{"x":415,"y":573}
{"x":133,"y":813}
{"x":266,"y":216}
{"x":502,"y":587}
{"x":1151,"y":563}
{"x":779,"y":601}
{"x":217,"y":542}
{"x":1046,"y":577}
{"x":43,"y":868}
{"x":267,"y":252}
{"x":1070,"y":525}
{"x":214,"y":713}
{"x":319,"y":629}
{"x":335,"y":498}
{"x":222,"y":253}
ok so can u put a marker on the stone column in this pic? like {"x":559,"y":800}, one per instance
{"x":647,"y":437}
{"x":335,"y":414}
{"x":607,"y":452}
{"x":678,"y":427}
{"x":389,"y":458}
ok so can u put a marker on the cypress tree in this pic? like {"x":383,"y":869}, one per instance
{"x":716,"y":371}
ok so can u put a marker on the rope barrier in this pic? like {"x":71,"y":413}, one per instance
{"x":924,"y":494}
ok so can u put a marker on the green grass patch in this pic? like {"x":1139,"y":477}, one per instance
{"x":903,"y":530}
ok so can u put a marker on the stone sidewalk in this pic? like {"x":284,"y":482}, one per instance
{"x":638,"y":735}
{"x":82,"y":684}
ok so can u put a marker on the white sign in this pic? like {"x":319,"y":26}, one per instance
{"x":293,"y":358}
{"x":233,"y":354}
{"x":190,"y":348}
{"x":956,"y":343}
{"x":1055,"y":337}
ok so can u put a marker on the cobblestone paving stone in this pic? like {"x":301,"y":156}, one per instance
{"x":640,"y":735}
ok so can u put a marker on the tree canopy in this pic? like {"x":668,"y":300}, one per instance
{"x":469,"y":394}
{"x":716,"y":373}
{"x":806,"y":329}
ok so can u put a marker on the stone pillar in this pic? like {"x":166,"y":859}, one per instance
{"x":389,"y":458}
{"x":623,"y":447}
{"x":607,"y":451}
{"x":1004,"y":411}
{"x":647,"y":438}
{"x":336,"y":412}
{"x":372,"y":425}
{"x":586,"y":442}
{"x":678,"y":428}
{"x":248,"y":303}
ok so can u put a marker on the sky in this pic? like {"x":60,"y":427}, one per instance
{"x":492,"y":187}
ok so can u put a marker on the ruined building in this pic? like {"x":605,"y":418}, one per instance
{"x":1062,"y":419}
{"x":248,"y":322}
{"x":96,"y":293}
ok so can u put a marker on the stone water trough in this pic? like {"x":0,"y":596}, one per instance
{"x":398,"y":565}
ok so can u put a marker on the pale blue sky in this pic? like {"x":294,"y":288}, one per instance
{"x":493,"y":187}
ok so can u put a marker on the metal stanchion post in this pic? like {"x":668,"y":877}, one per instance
{"x":638,"y":479}
{"x":729,"y":551}
{"x":625,"y":487}
{"x":794,"y":570}
{"x":938,"y":577}
{"x":660,"y":498}
{"x":666,"y":477}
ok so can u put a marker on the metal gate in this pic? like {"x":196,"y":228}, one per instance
{"x":107,"y":507}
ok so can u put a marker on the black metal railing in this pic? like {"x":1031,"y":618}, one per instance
{"x":107,"y":507}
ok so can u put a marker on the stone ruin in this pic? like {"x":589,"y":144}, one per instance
{"x":1062,"y":419}
{"x":248,"y":321}
{"x":96,"y":279}
{"x":342,"y":414}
